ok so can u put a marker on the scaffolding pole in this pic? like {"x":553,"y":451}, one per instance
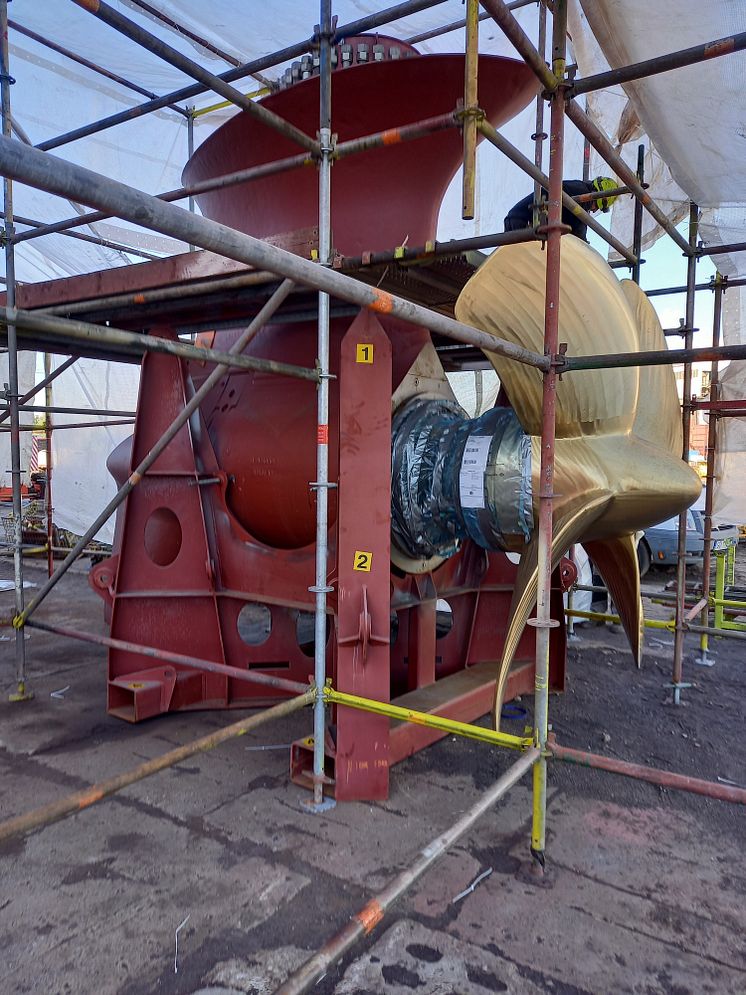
{"x":637,"y":229}
{"x":321,"y":587}
{"x":87,"y":64}
{"x":48,"y":508}
{"x":120,"y":343}
{"x":137,"y":474}
{"x":544,"y":622}
{"x":379,"y":139}
{"x":686,"y":417}
{"x":104,"y":12}
{"x":471,"y":111}
{"x":712,"y":435}
{"x":240,"y":72}
{"x":364,"y":922}
{"x":515,"y":155}
{"x":22,"y":692}
{"x":52,"y":375}
{"x":59,"y":176}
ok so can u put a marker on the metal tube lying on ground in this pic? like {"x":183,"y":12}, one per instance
{"x":43,"y":816}
{"x":365,"y":921}
{"x":666,"y":779}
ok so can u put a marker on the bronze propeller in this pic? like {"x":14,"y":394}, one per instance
{"x":618,"y":465}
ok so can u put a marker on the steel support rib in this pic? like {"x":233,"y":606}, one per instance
{"x":320,"y":588}
{"x":240,"y":72}
{"x":515,"y":155}
{"x":136,"y":476}
{"x":88,"y":796}
{"x":662,"y":64}
{"x":580,"y":119}
{"x":58,"y":176}
{"x":365,"y":921}
{"x":134,"y":344}
{"x":686,"y":418}
{"x":712,"y":434}
{"x":175,"y":58}
{"x":21,"y":693}
{"x":543,"y":621}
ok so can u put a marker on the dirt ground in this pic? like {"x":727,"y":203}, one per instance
{"x":647,"y":885}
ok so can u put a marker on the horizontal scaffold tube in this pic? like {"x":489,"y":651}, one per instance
{"x":47,"y":814}
{"x":665,"y":778}
{"x":132,"y":343}
{"x":357,"y":27}
{"x":365,"y":921}
{"x":391,"y":136}
{"x":54,"y":175}
{"x":426,"y":719}
{"x":179,"y":659}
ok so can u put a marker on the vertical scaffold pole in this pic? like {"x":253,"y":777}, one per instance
{"x":712,"y":433}
{"x":539,"y":135}
{"x":686,"y":418}
{"x":543,"y":621}
{"x":637,"y":236}
{"x":471,"y":109}
{"x":48,"y":400}
{"x":321,"y":589}
{"x":22,"y":693}
{"x":190,"y":153}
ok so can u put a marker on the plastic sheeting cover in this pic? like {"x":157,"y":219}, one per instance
{"x":455,"y":478}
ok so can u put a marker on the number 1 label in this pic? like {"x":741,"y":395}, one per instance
{"x":364,"y":352}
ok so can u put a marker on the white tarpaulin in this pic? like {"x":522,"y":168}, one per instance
{"x":730,"y":465}
{"x":54,"y":95}
{"x":81,"y":487}
{"x":696,"y":118}
{"x":26,"y":378}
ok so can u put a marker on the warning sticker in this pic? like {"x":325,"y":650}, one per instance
{"x":473,"y":466}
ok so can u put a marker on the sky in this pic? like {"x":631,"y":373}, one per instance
{"x":665,"y":266}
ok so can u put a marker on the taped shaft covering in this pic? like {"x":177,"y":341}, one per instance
{"x":454,"y":478}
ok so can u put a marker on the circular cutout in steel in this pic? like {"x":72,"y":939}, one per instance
{"x":254,"y":623}
{"x":305,"y":626}
{"x":162,"y":536}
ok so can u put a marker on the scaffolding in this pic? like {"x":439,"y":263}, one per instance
{"x":278,"y":273}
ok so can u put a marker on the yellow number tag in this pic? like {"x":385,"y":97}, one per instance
{"x":364,"y":353}
{"x":363,"y":560}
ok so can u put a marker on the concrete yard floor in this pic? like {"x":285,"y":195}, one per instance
{"x":647,"y":886}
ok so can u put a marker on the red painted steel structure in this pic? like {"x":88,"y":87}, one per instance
{"x":214,"y":550}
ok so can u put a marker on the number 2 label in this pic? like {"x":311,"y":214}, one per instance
{"x":363,"y":560}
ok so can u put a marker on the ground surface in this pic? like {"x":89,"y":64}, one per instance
{"x":648,"y":885}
